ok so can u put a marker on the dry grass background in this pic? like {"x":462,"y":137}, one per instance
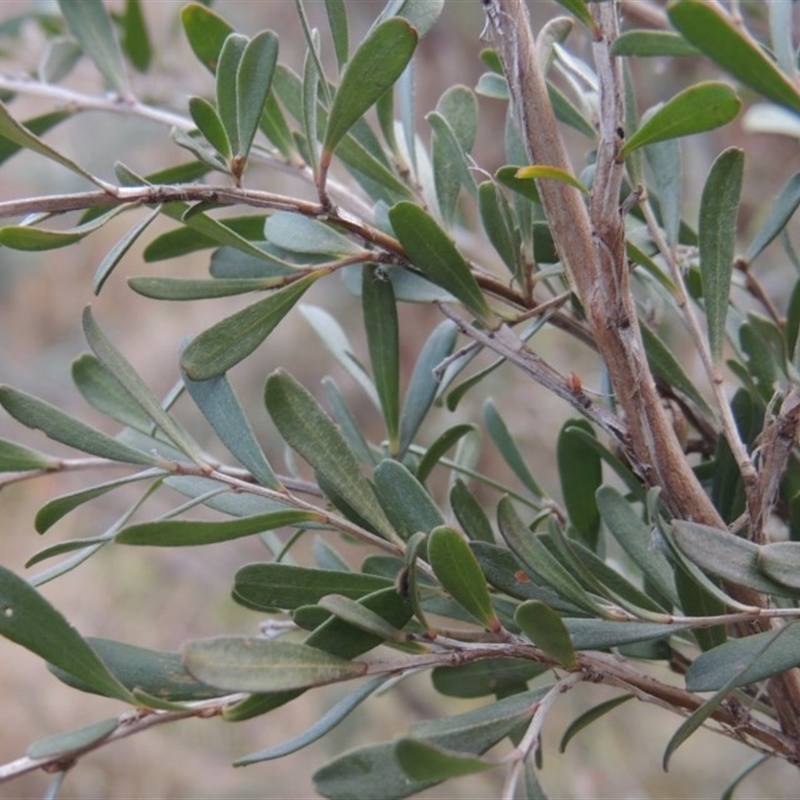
{"x":160,"y":599}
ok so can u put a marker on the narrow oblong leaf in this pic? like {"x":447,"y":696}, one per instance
{"x":383,"y":340}
{"x":581,"y":473}
{"x":373,"y":68}
{"x":327,"y":722}
{"x":647,"y":43}
{"x":544,"y":628}
{"x":779,"y":215}
{"x":187,"y":533}
{"x":588,"y":717}
{"x":404,"y":499}
{"x":208,"y":122}
{"x":541,"y":172}
{"x":269,"y":586}
{"x":443,"y":443}
{"x":90,"y":24}
{"x":431,"y":251}
{"x":61,"y":427}
{"x":25,"y":238}
{"x":227,"y":96}
{"x":425,"y":762}
{"x":299,"y":234}
{"x":29,"y":620}
{"x":357,"y":615}
{"x":253,"y":82}
{"x":504,"y":442}
{"x":485,"y":677}
{"x":699,"y":108}
{"x":458,"y":571}
{"x":307,"y":429}
{"x":337,"y":19}
{"x":712,"y":30}
{"x":18,"y":458}
{"x":470,"y":513}
{"x":719,"y":207}
{"x":780,"y":561}
{"x":206,"y":33}
{"x":225,"y":344}
{"x":247,"y":664}
{"x":73,"y":741}
{"x":220,"y":406}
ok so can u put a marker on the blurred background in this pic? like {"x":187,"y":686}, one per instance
{"x":159,"y":598}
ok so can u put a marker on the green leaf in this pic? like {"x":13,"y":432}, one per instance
{"x":135,"y":39}
{"x":299,"y":234}
{"x":118,"y":251}
{"x":719,"y":208}
{"x":437,"y":449}
{"x":422,"y":14}
{"x":22,"y":237}
{"x":665,"y":161}
{"x":230,"y":58}
{"x":470,"y":513}
{"x":159,"y":673}
{"x":542,"y":172}
{"x":779,"y":215}
{"x":404,"y":499}
{"x":122,"y":370}
{"x":206,"y":33}
{"x":699,"y":108}
{"x":348,"y":425}
{"x":17,"y":458}
{"x":505,"y":443}
{"x":231,"y":340}
{"x":544,"y":628}
{"x":425,"y":762}
{"x":780,"y":561}
{"x":498,"y":223}
{"x":61,"y":427}
{"x":489,"y":676}
{"x":581,"y":10}
{"x":220,"y":406}
{"x":458,"y":571}
{"x":581,"y":473}
{"x":29,"y":620}
{"x":648,"y":43}
{"x":451,"y":169}
{"x":602,"y":634}
{"x":374,"y":771}
{"x":727,"y":42}
{"x":635,"y":538}
{"x":430,"y":250}
{"x":327,"y":722}
{"x":725,"y":555}
{"x":337,"y":20}
{"x":53,"y":510}
{"x":188,"y":533}
{"x":184,"y":289}
{"x":37,"y":126}
{"x":423,"y":385}
{"x":358,"y":616}
{"x":306,"y":428}
{"x":253,"y":82}
{"x":88,"y":21}
{"x":373,"y":68}
{"x":383,"y":339}
{"x":249,"y":664}
{"x":269,"y":586}
{"x":588,"y":717}
{"x":205,"y":117}
{"x":73,"y":741}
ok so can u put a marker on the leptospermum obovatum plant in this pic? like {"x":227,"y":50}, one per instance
{"x":514,"y":601}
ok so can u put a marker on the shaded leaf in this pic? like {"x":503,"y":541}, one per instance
{"x":29,"y":620}
{"x":425,"y":762}
{"x":329,"y":720}
{"x":239,"y":663}
{"x":451,"y":170}
{"x":712,"y":31}
{"x":588,"y":717}
{"x":780,"y":561}
{"x":253,"y":82}
{"x":18,"y":458}
{"x":230,"y":58}
{"x":231,"y":340}
{"x":208,"y":122}
{"x":61,"y":427}
{"x":373,"y":68}
{"x":135,"y":39}
{"x":581,"y":473}
{"x":719,"y":208}
{"x":443,"y":443}
{"x":649,"y":43}
{"x":486,"y":677}
{"x":337,"y":20}
{"x":602,"y":634}
{"x":358,"y":616}
{"x":429,"y":249}
{"x":506,"y":444}
{"x":88,"y":21}
{"x":23,"y":237}
{"x":183,"y":289}
{"x":404,"y":499}
{"x":470,"y":513}
{"x":779,"y":215}
{"x":307,"y":429}
{"x":459,"y":573}
{"x":72,"y":741}
{"x":701,"y":107}
{"x":544,"y":628}
{"x":206,"y":32}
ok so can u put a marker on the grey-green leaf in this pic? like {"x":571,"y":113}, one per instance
{"x":248,"y":664}
{"x":779,"y":214}
{"x":89,"y":22}
{"x":227,"y":95}
{"x":17,"y":458}
{"x":719,"y":207}
{"x":431,"y":251}
{"x":373,"y":68}
{"x":299,"y":234}
{"x":780,"y":561}
{"x":253,"y":82}
{"x":404,"y":499}
{"x":544,"y":628}
{"x":425,"y":762}
{"x":208,"y":122}
{"x":73,"y":741}
{"x":307,"y":429}
{"x":231,"y":340}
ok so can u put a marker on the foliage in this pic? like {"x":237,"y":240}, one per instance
{"x":673,"y":539}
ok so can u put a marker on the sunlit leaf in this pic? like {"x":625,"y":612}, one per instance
{"x":540,"y":172}
{"x":699,"y":108}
